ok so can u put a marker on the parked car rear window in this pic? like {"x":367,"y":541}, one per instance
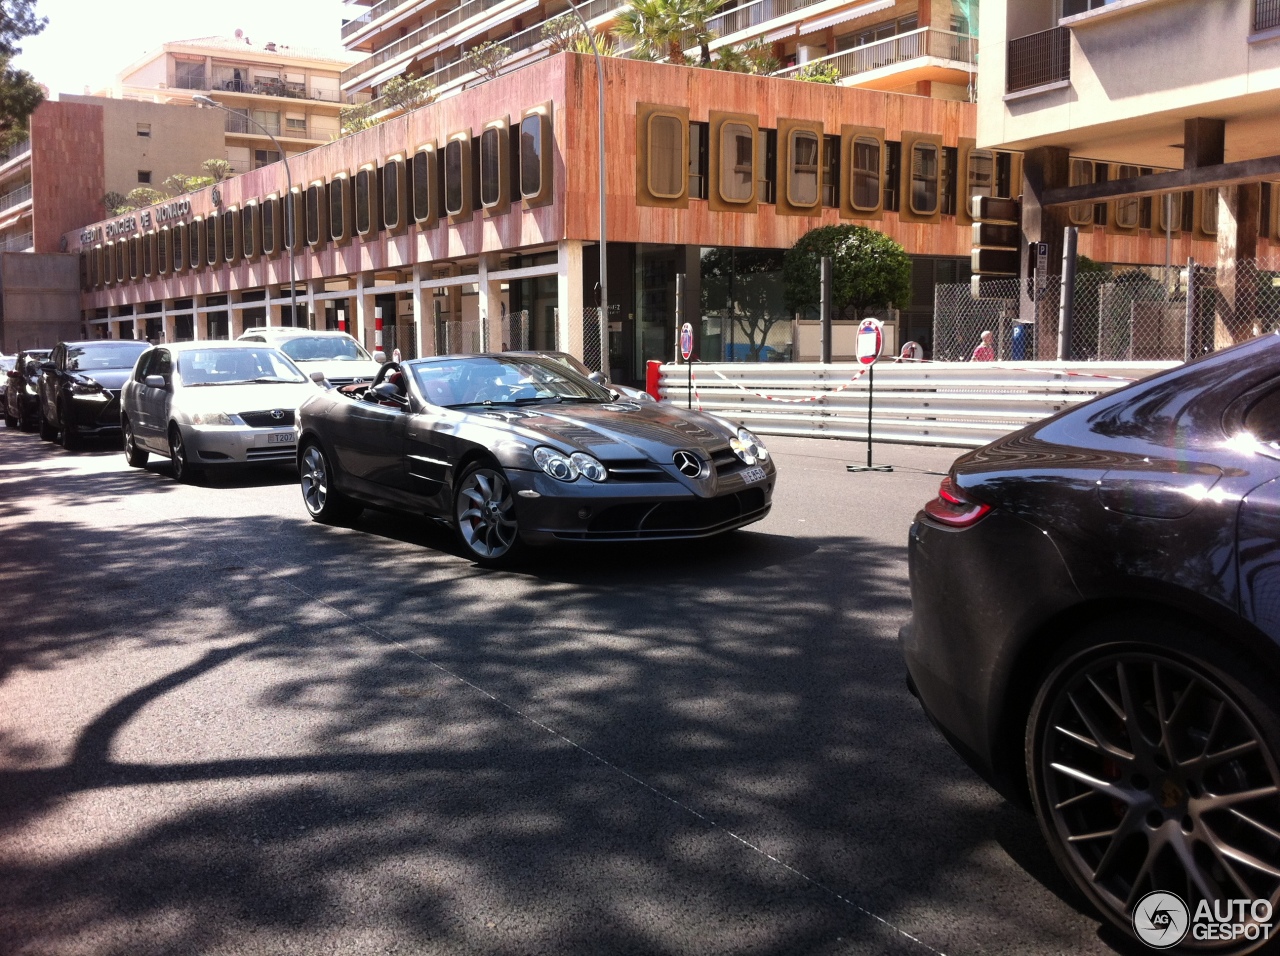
{"x":324,"y":348}
{"x":84,"y":358}
{"x":216,"y":366}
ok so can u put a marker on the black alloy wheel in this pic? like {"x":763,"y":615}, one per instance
{"x":485,"y":516}
{"x":134,"y":456}
{"x":323,"y":502}
{"x":1153,"y":766}
{"x":183,"y":470}
{"x":68,"y":433}
{"x":48,"y":430}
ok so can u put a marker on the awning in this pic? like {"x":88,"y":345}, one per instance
{"x":783,"y":34}
{"x":849,"y":13}
{"x":14,"y":220}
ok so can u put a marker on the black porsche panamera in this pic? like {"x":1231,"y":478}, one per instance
{"x":518,"y":450}
{"x":1096,"y":626}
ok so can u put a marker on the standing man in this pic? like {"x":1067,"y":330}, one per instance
{"x":985,"y":352}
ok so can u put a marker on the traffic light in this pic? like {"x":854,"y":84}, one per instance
{"x":997,"y":243}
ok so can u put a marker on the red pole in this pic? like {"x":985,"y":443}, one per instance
{"x":652,"y":378}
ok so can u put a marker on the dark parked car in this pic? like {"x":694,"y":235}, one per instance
{"x":521,"y":450}
{"x":22,"y":397}
{"x":1096,"y":625}
{"x":80,"y":388}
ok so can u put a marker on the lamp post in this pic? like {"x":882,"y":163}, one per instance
{"x":604,"y":214}
{"x":288,"y":176}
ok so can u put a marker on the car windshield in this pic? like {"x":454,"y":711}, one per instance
{"x":6,"y":362}
{"x":86,"y":358}
{"x":216,"y":366}
{"x":324,"y":348}
{"x":502,"y":380}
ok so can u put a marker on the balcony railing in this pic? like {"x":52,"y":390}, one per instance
{"x":373,"y":13}
{"x":226,"y":83}
{"x":17,"y":243}
{"x":906,"y":46}
{"x":749,"y":15}
{"x":14,"y":151}
{"x":15,"y":198}
{"x":238,"y":123}
{"x":1266,"y":14}
{"x":1039,"y":59}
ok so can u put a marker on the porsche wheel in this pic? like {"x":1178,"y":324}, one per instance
{"x":322,"y":500}
{"x":484,"y":515}
{"x":1153,"y":766}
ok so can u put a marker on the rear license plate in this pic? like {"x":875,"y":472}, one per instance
{"x":753,"y":474}
{"x":281,"y":438}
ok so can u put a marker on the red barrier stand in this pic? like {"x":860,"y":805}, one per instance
{"x":652,"y":378}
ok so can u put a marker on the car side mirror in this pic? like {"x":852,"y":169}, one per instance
{"x":380,"y":357}
{"x":47,"y":366}
{"x":155,"y":381}
{"x":599,"y":378}
{"x":318,"y":377}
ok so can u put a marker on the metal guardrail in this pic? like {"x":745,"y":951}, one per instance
{"x":15,"y":197}
{"x":1266,"y":14}
{"x":373,"y":13}
{"x":897,"y":49}
{"x":17,"y":243}
{"x":14,"y":151}
{"x":1038,"y":60}
{"x":965,"y":405}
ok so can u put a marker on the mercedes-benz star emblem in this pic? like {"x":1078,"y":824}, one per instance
{"x":688,"y":463}
{"x":277,"y":413}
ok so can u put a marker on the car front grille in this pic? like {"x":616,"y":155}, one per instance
{"x":637,"y":469}
{"x":674,"y":519}
{"x":264,"y":419}
{"x":274,"y":453}
{"x":726,"y":462}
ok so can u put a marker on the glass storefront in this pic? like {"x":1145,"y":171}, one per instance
{"x":744,"y":315}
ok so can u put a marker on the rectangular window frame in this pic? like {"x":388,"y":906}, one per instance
{"x":1080,"y":173}
{"x":766,"y":166}
{"x":699,"y":156}
{"x":893,"y":176}
{"x":832,"y":161}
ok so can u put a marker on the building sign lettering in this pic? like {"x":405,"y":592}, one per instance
{"x":179,"y":209}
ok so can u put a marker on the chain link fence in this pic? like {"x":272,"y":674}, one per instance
{"x":456,"y":335}
{"x":1131,"y":314}
{"x":402,"y":336}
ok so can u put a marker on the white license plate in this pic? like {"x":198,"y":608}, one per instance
{"x":753,"y":474}
{"x":281,"y":438}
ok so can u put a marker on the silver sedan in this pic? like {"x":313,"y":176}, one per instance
{"x":212,"y":404}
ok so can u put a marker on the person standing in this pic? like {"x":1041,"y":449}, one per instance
{"x":985,"y":352}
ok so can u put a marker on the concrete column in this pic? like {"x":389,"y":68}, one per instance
{"x":570,"y":301}
{"x":422,"y":316}
{"x":490,"y":306}
{"x":1045,"y":167}
{"x":1237,"y":305}
{"x":363,"y":296}
{"x":198,"y":302}
{"x":315,"y":309}
{"x":168,"y":321}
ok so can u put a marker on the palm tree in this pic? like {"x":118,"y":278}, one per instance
{"x":664,"y":27}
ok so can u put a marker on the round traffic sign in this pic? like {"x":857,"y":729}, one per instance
{"x":686,"y":341}
{"x":870,"y":341}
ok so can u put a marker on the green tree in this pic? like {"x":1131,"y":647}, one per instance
{"x":818,"y":72}
{"x":407,"y":92}
{"x":216,"y":169}
{"x":19,"y":92}
{"x":144,"y":196}
{"x":356,"y":118}
{"x":663,"y":28}
{"x":868,"y":270}
{"x":741,"y":287}
{"x":606,"y":45}
{"x":560,"y":32}
{"x":488,"y":58}
{"x":755,"y":58}
{"x":115,"y":203}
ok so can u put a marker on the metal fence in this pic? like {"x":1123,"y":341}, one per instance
{"x":457,"y":335}
{"x":1136,"y":314}
{"x":1266,"y":14}
{"x":1039,"y":59}
{"x":955,"y":404}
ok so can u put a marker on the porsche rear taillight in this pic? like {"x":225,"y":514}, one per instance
{"x":953,"y":508}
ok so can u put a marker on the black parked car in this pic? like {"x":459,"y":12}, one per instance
{"x":22,"y":397}
{"x":80,"y":388}
{"x":522,"y":450}
{"x":1096,"y":624}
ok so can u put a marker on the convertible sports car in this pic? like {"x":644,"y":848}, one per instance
{"x":521,"y":450}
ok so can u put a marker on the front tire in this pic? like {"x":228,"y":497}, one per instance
{"x":323,"y":502}
{"x":1153,"y":763}
{"x":183,"y":470}
{"x":134,"y":456}
{"x":484,"y":515}
{"x":69,"y":436}
{"x":48,"y":431}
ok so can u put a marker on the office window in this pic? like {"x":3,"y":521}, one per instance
{"x":229,"y":251}
{"x":699,"y":143}
{"x":144,"y":130}
{"x":248,"y":234}
{"x":767,"y":165}
{"x":831,"y":171}
{"x":1129,"y":212}
{"x":122,"y":263}
{"x":454,"y":201}
{"x":364,"y":201}
{"x":144,"y":177}
{"x":423,"y":170}
{"x":133,"y":258}
{"x":490,"y":167}
{"x":1080,"y":174}
{"x":892,"y":175}
{"x":195,"y":247}
{"x":865,"y":170}
{"x":802,"y":181}
{"x":1100,"y":171}
{"x":295,"y":125}
{"x":181,"y":255}
{"x":164,"y":251}
{"x":950,"y":179}
{"x":924,"y":179}
{"x":531,"y":156}
{"x":148,"y":254}
{"x":212,"y":234}
{"x":666,"y":156}
{"x":737,"y":162}
{"x":269,"y":227}
{"x":265,"y":157}
{"x":293,"y":231}
{"x":392,"y":178}
{"x":339,"y":228}
{"x":315,"y":213}
{"x":981,"y":175}
{"x":1004,"y":185}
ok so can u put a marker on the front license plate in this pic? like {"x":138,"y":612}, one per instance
{"x":284,"y":438}
{"x":753,"y":474}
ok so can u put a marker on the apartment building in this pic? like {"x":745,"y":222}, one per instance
{"x":1150,"y":124}
{"x":293,"y":92}
{"x":922,"y":47}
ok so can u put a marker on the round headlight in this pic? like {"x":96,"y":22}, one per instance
{"x":753,"y":445}
{"x":589,"y":467}
{"x":740,"y":449}
{"x":556,"y":465}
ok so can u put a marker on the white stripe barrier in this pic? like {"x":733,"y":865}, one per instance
{"x":964,"y":404}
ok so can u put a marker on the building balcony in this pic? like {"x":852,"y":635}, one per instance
{"x":15,"y":197}
{"x":16,"y":151}
{"x":375,"y":12}
{"x":1266,"y":15}
{"x":1041,"y":59}
{"x":902,"y":53}
{"x":19,"y":243}
{"x":229,"y":83}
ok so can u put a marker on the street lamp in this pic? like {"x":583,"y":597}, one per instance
{"x":288,"y":176}
{"x":604,"y":215}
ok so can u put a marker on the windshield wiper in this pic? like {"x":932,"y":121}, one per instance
{"x":211,"y":384}
{"x":276,"y":380}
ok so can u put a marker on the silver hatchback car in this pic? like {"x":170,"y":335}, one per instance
{"x":211,"y":404}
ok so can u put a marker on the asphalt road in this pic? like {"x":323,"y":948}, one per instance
{"x":227,"y":729}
